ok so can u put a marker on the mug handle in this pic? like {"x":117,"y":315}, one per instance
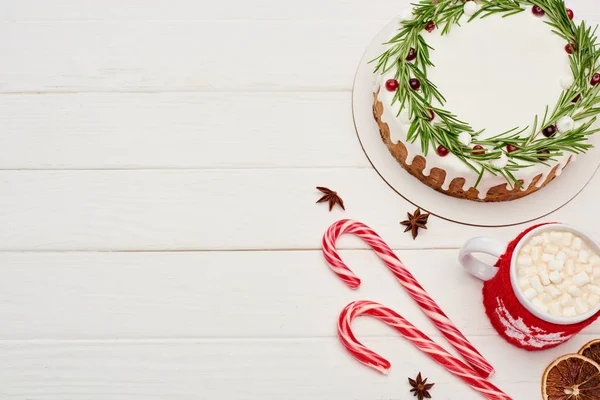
{"x":478,"y":268}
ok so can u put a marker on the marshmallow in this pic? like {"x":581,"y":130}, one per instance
{"x":567,"y":239}
{"x":593,"y":300}
{"x":561,"y":255}
{"x":527,"y":271}
{"x":569,"y":312}
{"x":571,"y":252}
{"x":530,"y":293}
{"x":556,"y":265}
{"x":556,"y":277}
{"x":581,"y":279}
{"x":547,"y":257}
{"x":555,"y":309}
{"x":570,"y":267}
{"x":559,"y":273}
{"x":536,"y":283}
{"x":540,"y":305}
{"x":544,"y":277}
{"x":545,"y":238}
{"x":565,"y":299}
{"x":553,"y":291}
{"x":593,"y":289}
{"x":556,"y":237}
{"x":524,"y":283}
{"x":574,"y":291}
{"x":581,"y":306}
{"x":525,"y":260}
{"x":536,"y":253}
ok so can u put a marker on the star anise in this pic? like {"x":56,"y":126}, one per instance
{"x":420,"y":387}
{"x":415,"y":221}
{"x":330,"y":196}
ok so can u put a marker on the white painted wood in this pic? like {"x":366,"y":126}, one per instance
{"x":178,"y":130}
{"x":246,"y":370}
{"x":218,"y":294}
{"x":94,"y":10}
{"x":185,"y":56}
{"x":218,"y":210}
{"x":257,"y":115}
{"x":153,"y":56}
{"x":335,"y":10}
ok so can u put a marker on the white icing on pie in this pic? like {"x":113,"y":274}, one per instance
{"x":496,"y":74}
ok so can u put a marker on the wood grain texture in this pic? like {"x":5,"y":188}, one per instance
{"x":182,"y":55}
{"x":217,"y":210}
{"x":97,"y":10}
{"x":333,"y":10}
{"x":151,"y":56}
{"x":191,"y":125}
{"x":246,"y":370}
{"x":218,"y":294}
{"x":178,"y":130}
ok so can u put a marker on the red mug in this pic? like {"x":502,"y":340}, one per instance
{"x":507,"y":307}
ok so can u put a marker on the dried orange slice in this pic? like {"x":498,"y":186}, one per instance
{"x":591,"y":350}
{"x":571,"y":377}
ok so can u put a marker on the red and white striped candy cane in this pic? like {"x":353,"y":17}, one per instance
{"x":408,"y":281}
{"x":416,"y":337}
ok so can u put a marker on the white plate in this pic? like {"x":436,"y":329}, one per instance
{"x":537,"y":205}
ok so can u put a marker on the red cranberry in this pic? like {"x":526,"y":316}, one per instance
{"x":431,"y":114}
{"x":570,"y":13}
{"x":478,"y":153}
{"x":430,"y":26}
{"x":571,"y":48}
{"x":412,"y":54}
{"x":543,"y":151}
{"x":414,"y":83}
{"x":595,"y":79}
{"x":538,"y":11}
{"x":442,"y":151}
{"x":391,"y":85}
{"x":510,"y":148}
{"x":549,"y":130}
{"x":576,"y":99}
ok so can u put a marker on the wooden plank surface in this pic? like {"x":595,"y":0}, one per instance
{"x":158,"y":232}
{"x":332,"y":10}
{"x":178,"y":130}
{"x":245,"y":369}
{"x":218,"y":210}
{"x":150,"y":56}
{"x":82,"y":295}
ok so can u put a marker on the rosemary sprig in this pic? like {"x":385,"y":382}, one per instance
{"x":578,"y":102}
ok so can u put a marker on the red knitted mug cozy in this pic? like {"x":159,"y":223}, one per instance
{"x":512,"y":321}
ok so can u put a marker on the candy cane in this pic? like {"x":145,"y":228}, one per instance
{"x":408,"y":281}
{"x":416,"y":337}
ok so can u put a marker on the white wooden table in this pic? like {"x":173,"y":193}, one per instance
{"x":158,"y":232}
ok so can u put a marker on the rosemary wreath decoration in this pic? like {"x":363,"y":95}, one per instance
{"x":509,"y":151}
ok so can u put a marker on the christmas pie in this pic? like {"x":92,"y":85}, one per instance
{"x":488,"y":100}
